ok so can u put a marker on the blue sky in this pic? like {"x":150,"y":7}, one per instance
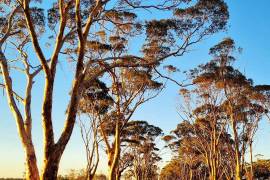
{"x":249,"y":26}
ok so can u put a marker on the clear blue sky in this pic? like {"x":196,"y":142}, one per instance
{"x":249,"y":25}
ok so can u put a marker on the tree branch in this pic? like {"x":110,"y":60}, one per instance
{"x":34,"y":38}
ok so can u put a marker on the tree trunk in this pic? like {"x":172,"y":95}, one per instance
{"x":236,"y":147}
{"x":50,"y":171}
{"x":25,"y":136}
{"x":190,"y":175}
{"x":138,"y":173}
{"x":137,"y":176}
{"x":112,"y":175}
{"x":118,"y":173}
{"x":213,"y":175}
{"x":90,"y":177}
{"x":113,"y":170}
{"x":251,"y":160}
{"x":237,"y":154}
{"x":243,"y":166}
{"x":51,"y":166}
{"x":116,"y":154}
{"x":212,"y":162}
{"x":32,"y":172}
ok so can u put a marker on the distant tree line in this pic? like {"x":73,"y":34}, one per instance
{"x":80,"y":175}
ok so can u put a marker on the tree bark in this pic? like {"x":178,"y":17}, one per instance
{"x":116,"y":154}
{"x":237,"y":154}
{"x":51,"y":165}
{"x":31,"y":162}
{"x":32,"y":172}
{"x":50,"y":171}
{"x":236,"y":146}
{"x":251,"y":160}
{"x":190,"y":174}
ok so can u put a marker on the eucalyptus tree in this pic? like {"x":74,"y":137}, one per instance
{"x":202,"y":108}
{"x":203,"y":136}
{"x":221,"y":114}
{"x":241,"y":102}
{"x":130,"y":88}
{"x":140,"y":151}
{"x":93,"y":103}
{"x":110,"y":109}
{"x":90,"y":34}
{"x":187,"y":149}
{"x":193,"y":146}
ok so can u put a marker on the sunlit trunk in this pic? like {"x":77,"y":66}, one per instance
{"x":110,"y":162}
{"x":213,"y":175}
{"x":251,"y":160}
{"x":236,"y":146}
{"x":190,"y":175}
{"x":237,"y":154}
{"x":137,"y":176}
{"x":51,"y":166}
{"x":32,"y":172}
{"x":116,"y":154}
{"x":212,"y":161}
{"x":24,"y":128}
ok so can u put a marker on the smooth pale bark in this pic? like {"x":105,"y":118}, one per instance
{"x":111,"y":172}
{"x":251,"y":160}
{"x":30,"y":153}
{"x":190,"y":175}
{"x":237,"y":154}
{"x":137,"y":176}
{"x":213,"y":156}
{"x":32,"y":172}
{"x":92,"y":164}
{"x":114,"y":158}
{"x":236,"y":146}
{"x":53,"y":151}
{"x":31,"y":162}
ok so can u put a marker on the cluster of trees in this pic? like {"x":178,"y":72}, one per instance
{"x":111,"y":81}
{"x":221,"y":114}
{"x":173,"y":170}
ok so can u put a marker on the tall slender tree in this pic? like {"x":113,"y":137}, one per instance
{"x":130,"y":88}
